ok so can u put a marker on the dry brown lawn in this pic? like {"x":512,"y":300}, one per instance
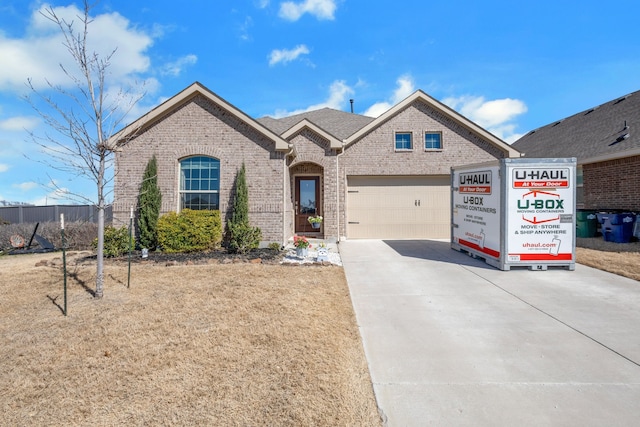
{"x":215,"y":344}
{"x":618,"y":258}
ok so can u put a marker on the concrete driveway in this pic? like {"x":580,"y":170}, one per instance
{"x":453,"y":342}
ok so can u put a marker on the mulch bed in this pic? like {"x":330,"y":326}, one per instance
{"x":258,"y":256}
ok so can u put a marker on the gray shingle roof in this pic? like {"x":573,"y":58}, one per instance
{"x":596,"y":132}
{"x":338,"y":123}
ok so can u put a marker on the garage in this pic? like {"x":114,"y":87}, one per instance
{"x":407,"y":207}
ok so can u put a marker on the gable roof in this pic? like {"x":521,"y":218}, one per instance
{"x":338,"y":123}
{"x":334,"y":142}
{"x":195,"y":89}
{"x":597,"y":134}
{"x":438,"y":106}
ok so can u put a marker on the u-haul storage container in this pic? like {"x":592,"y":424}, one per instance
{"x":515,"y":212}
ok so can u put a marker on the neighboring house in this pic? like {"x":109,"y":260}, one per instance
{"x":606,"y":143}
{"x":387,"y":177}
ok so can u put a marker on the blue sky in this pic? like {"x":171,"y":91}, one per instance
{"x":509,"y":66}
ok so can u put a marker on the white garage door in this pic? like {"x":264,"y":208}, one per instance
{"x":415,"y":207}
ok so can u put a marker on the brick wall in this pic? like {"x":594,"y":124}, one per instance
{"x":375,"y":153}
{"x":612,"y":184}
{"x":202,"y":128}
{"x":314,"y":157}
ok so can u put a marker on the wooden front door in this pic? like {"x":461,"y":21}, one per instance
{"x":307,"y":203}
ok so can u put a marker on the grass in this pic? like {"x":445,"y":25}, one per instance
{"x":201,"y":344}
{"x":213,"y":344}
{"x":618,"y":258}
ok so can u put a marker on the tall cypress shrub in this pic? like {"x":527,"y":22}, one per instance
{"x":241,"y":200}
{"x":149,"y":200}
{"x":242,"y":237}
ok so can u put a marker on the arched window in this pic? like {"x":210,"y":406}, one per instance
{"x":200,"y":183}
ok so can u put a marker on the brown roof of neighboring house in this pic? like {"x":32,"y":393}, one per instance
{"x":605,"y":132}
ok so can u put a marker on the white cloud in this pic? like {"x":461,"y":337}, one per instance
{"x":405,"y":88}
{"x":321,"y":9}
{"x":495,"y":115}
{"x":4,"y":167}
{"x":176,"y":67}
{"x":19,"y":123}
{"x":339,"y":93}
{"x":262,"y":3}
{"x":244,"y":28}
{"x":40,"y":54}
{"x":287,"y":55}
{"x":26,"y":186}
{"x":56,"y":196}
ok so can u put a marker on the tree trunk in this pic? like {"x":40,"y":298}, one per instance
{"x":100,"y":255}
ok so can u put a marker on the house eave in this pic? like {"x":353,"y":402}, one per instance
{"x":458,"y":118}
{"x":158,"y":113}
{"x":610,"y":156}
{"x":334,"y":143}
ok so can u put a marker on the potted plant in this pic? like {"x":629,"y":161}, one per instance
{"x":315,"y":221}
{"x":302,"y":245}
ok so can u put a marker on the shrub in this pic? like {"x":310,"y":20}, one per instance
{"x":149,"y":201}
{"x":241,"y":236}
{"x":275,"y":246}
{"x":116,"y":241}
{"x":190,"y":231}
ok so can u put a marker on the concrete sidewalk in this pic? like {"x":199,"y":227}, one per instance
{"x":451,"y":341}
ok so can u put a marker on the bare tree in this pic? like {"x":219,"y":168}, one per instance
{"x":82,"y":118}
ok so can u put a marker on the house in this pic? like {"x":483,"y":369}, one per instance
{"x":387,"y":177}
{"x":607,"y":149}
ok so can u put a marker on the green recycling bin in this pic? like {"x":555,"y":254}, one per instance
{"x":586,"y":223}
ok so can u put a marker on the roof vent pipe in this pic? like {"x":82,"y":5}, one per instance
{"x":351,"y":101}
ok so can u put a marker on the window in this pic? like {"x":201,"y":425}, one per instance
{"x":432,"y":141}
{"x":579,"y":187}
{"x":403,"y":141}
{"x":200,"y":183}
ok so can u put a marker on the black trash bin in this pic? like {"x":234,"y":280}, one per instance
{"x":617,"y":227}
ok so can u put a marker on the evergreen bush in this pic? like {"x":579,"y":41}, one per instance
{"x":149,"y":201}
{"x":190,"y":231}
{"x":116,"y":241}
{"x":241,"y":236}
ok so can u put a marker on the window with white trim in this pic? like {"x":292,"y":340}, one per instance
{"x":433,"y":140}
{"x":200,"y":183}
{"x":404,"y":141}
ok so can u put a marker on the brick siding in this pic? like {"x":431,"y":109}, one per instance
{"x":315,"y":158}
{"x":375,"y":153}
{"x":612,"y":184}
{"x":202,"y":128}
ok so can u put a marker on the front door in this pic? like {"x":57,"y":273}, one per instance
{"x":307,"y":202}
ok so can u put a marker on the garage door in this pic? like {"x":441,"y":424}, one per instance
{"x":398,"y":207}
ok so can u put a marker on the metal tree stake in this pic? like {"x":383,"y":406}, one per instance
{"x":64,"y":261}
{"x":130,"y":238}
